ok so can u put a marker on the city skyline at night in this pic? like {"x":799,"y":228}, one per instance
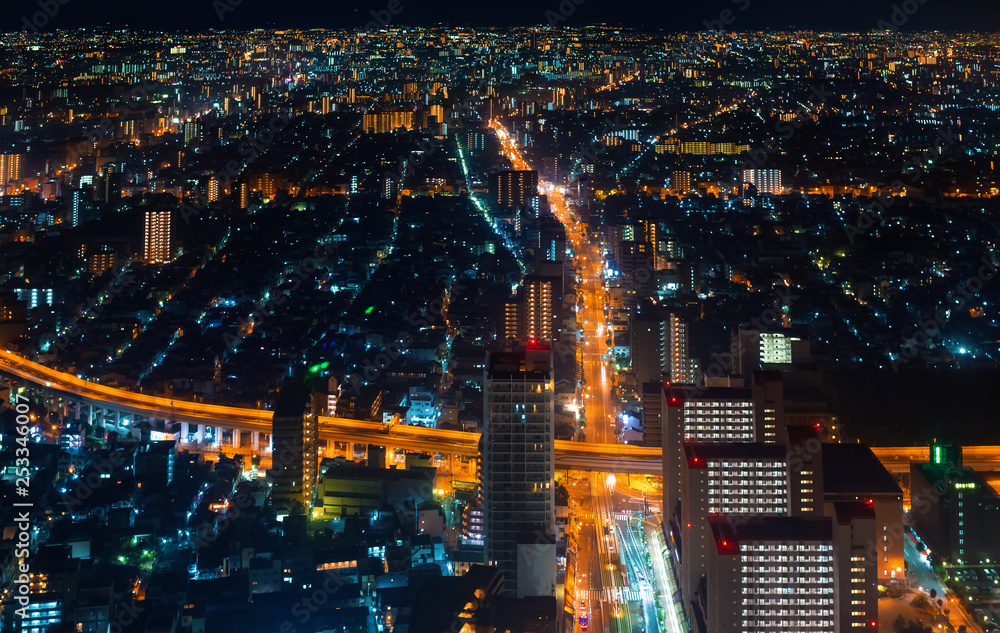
{"x":519,"y":319}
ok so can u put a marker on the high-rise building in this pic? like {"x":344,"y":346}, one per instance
{"x":732,"y":479}
{"x":243,"y":194}
{"x":101,"y":260}
{"x":530,"y":315}
{"x":744,"y":482}
{"x":80,"y":206}
{"x":752,"y":349}
{"x":955,"y":508}
{"x":538,"y":309}
{"x":192,"y":132}
{"x":513,"y":188}
{"x":384,"y":122}
{"x":11,"y":166}
{"x":212,"y":190}
{"x":771,"y":574}
{"x":680,"y":181}
{"x":156,"y":245}
{"x":43,"y":612}
{"x":294,"y":439}
{"x":661,"y":347}
{"x":518,"y":469}
{"x":765,"y":180}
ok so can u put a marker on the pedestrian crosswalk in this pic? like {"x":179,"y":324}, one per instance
{"x":617,"y":594}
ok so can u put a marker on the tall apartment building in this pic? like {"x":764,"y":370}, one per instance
{"x":661,"y":348}
{"x":531,"y":314}
{"x":384,"y":122}
{"x":752,"y":349}
{"x":101,"y":259}
{"x":782,"y":573}
{"x":212,"y":190}
{"x":11,"y":167}
{"x":513,"y":188}
{"x":293,"y":451}
{"x":771,"y":574}
{"x":765,"y":180}
{"x":80,"y":206}
{"x":518,"y":469}
{"x":807,"y":479}
{"x":156,"y":245}
{"x":716,"y":414}
{"x":680,"y":181}
{"x":725,"y":479}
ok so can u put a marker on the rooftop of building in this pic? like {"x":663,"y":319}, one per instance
{"x":730,"y":531}
{"x":853,"y":468}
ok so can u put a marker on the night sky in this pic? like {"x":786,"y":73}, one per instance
{"x":846,"y":15}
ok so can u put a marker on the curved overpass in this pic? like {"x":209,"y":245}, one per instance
{"x":577,"y":455}
{"x":414,"y":438}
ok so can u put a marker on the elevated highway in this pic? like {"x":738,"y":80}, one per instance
{"x":575,"y":455}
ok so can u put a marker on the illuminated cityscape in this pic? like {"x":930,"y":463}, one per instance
{"x":443,"y":328}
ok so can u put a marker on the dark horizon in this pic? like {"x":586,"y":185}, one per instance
{"x":731,"y":15}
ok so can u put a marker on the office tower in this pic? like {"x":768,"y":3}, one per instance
{"x":518,"y":469}
{"x":765,"y":180}
{"x":388,"y":187}
{"x":771,"y":574}
{"x":636,"y":263}
{"x":11,"y":166}
{"x":954,"y":508}
{"x":513,"y":188}
{"x":156,"y":246}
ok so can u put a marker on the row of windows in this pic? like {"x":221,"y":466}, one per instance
{"x":804,"y":624}
{"x":784,"y":580}
{"x":794,"y":547}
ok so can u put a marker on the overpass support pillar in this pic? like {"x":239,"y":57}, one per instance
{"x":118,"y":418}
{"x":201,"y":433}
{"x":218,"y":436}
{"x":77,"y":410}
{"x":255,"y":440}
{"x":185,"y":429}
{"x":236,"y":438}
